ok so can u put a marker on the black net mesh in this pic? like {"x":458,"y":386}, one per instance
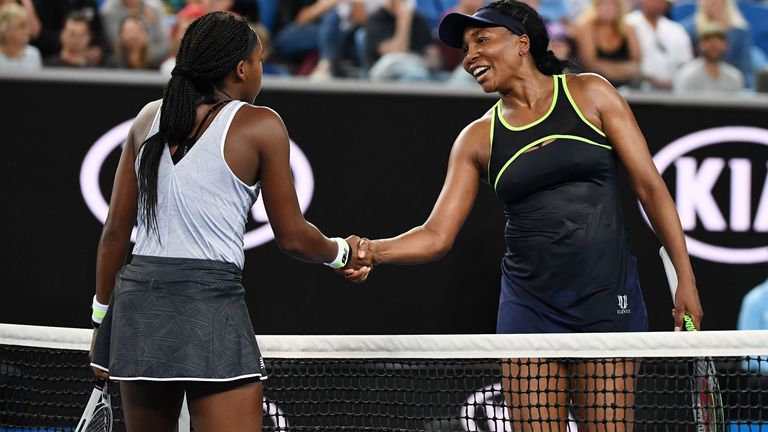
{"x":47,"y":389}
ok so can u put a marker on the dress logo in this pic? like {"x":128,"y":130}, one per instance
{"x":623,"y":305}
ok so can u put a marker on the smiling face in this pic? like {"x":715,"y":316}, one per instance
{"x":492,"y":54}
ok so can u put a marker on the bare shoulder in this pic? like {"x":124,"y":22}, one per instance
{"x":260,"y":125}
{"x":591,"y":89}
{"x":588,"y":82}
{"x":259,"y":118}
{"x":474,"y":142}
{"x":478,"y":129}
{"x":143,"y":122}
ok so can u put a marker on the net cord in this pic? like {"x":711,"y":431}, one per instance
{"x":466,"y":346}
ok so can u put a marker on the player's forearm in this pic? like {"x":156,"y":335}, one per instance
{"x":111,"y":255}
{"x":662,"y":213}
{"x":306,"y":243}
{"x":416,"y":246}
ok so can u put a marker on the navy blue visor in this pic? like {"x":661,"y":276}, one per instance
{"x":451,"y":29}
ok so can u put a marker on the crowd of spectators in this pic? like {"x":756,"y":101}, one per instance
{"x":685,"y":45}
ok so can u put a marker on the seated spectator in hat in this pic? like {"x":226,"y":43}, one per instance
{"x":725,"y":14}
{"x":53,"y":14}
{"x":34,"y":22}
{"x":708,"y":72}
{"x":397,"y":42}
{"x":15,"y":52}
{"x":115,"y":12}
{"x":664,"y":44}
{"x":132,"y":47}
{"x":75,"y":39}
{"x":605,"y":44}
{"x":183,"y":19}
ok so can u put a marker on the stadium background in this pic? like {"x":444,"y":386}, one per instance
{"x":378,"y":156}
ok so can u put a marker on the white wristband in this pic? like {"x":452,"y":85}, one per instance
{"x":98,"y":311}
{"x":342,"y":254}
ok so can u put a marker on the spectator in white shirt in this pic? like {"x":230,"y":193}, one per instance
{"x":664,"y":44}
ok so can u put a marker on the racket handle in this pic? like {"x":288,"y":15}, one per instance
{"x":688,"y":323}
{"x":669,"y":270}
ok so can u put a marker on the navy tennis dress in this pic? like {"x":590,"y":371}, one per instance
{"x":568,"y":266}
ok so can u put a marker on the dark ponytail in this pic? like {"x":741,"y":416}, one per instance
{"x":545,"y":60}
{"x":211,"y":47}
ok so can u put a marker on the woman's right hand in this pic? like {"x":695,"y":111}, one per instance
{"x":96,"y":371}
{"x":362,"y":262}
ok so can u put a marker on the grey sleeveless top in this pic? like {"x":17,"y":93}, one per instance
{"x":202,"y":206}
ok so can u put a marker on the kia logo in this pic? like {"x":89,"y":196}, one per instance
{"x":695,"y":179}
{"x":304,"y":183}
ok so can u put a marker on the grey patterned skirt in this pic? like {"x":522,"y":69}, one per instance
{"x":178,"y":319}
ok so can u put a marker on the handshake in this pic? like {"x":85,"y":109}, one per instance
{"x":362,"y":257}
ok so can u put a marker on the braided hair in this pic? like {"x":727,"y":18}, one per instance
{"x":545,"y":60}
{"x":212,"y":46}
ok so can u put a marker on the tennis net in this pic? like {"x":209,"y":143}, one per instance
{"x":701,"y":381}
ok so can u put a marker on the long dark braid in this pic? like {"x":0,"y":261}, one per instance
{"x":211,"y":47}
{"x":545,"y":60}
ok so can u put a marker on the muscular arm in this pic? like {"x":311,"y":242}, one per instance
{"x":294,"y":235}
{"x":116,"y":235}
{"x":433,"y":239}
{"x":610,"y":112}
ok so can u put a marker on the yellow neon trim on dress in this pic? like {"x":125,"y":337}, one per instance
{"x":578,"y":111}
{"x":529,"y":125}
{"x":539,"y":141}
{"x":490,"y":152}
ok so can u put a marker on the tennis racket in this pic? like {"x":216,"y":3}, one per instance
{"x":705,"y":390}
{"x":97,"y":416}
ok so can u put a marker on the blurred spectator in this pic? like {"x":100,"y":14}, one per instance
{"x":724,"y":13}
{"x":115,"y":12}
{"x":337,"y":35}
{"x":183,"y":19}
{"x":397,"y":40}
{"x":560,"y":42}
{"x":34,"y":21}
{"x":267,"y":67}
{"x":75,"y":38}
{"x":298,"y":33}
{"x":553,"y":10}
{"x":606,"y":45}
{"x":754,"y":316}
{"x":15,"y":51}
{"x":708,"y":73}
{"x":664,"y":44}
{"x":132,"y":46}
{"x":217,"y":5}
{"x":52,"y":15}
{"x":761,"y":81}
